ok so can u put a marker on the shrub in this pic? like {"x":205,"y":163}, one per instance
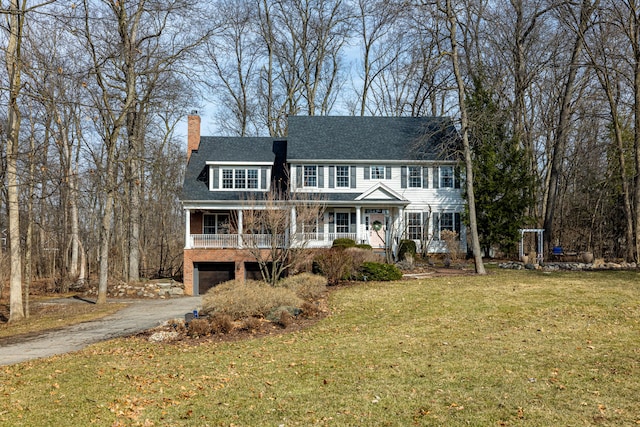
{"x":245,"y":299}
{"x":250,"y":324}
{"x":364,"y":246}
{"x":221,"y":323}
{"x":310,"y":309}
{"x":302,"y":261}
{"x":358,"y":258}
{"x":333,"y":264}
{"x":380,"y":272}
{"x":344,"y":243}
{"x":307,"y":286}
{"x":199,"y":328}
{"x":283,"y":316}
{"x":452,"y":242}
{"x":407,"y":247}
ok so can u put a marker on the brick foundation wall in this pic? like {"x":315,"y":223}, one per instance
{"x":237,"y":256}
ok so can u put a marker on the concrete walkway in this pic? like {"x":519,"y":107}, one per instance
{"x":139,"y":316}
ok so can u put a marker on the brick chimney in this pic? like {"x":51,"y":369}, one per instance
{"x":193,"y":133}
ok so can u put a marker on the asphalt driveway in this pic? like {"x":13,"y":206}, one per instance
{"x":139,"y":316}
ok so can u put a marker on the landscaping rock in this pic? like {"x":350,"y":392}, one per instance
{"x":147,"y":289}
{"x":164,"y":336}
{"x":598,"y":264}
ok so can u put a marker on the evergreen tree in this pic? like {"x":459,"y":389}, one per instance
{"x":501,"y":175}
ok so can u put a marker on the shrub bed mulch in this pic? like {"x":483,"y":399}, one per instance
{"x":176,"y":332}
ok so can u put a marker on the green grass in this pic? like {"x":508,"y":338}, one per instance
{"x":512,"y":348}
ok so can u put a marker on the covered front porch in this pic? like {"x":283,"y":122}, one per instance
{"x":373,"y":226}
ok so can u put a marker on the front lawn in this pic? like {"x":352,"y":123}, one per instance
{"x":512,"y":348}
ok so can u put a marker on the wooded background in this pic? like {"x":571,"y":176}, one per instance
{"x":94,"y":89}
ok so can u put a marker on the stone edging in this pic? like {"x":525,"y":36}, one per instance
{"x":569,"y":266}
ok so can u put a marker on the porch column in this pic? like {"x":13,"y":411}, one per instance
{"x":358,"y":224}
{"x":187,"y":230}
{"x":290,"y":233}
{"x":293,"y":226}
{"x":240,"y":228}
{"x":401,"y":221}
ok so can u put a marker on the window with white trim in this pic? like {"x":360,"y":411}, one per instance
{"x":216,"y":224}
{"x":227,"y":178}
{"x":237,"y":178}
{"x":446,"y":177}
{"x":310,"y":176}
{"x":377,"y":172}
{"x":414,"y":225}
{"x":415,"y":177}
{"x":342,"y":176}
{"x":240,"y":178}
{"x":342,"y":222}
{"x":447,"y":221}
{"x":252,"y":178}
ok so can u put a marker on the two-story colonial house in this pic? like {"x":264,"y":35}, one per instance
{"x":380,"y":179}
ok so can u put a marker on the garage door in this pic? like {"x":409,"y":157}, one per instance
{"x":209,"y":274}
{"x":252,"y":271}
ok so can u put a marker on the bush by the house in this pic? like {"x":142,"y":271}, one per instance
{"x":307,"y":286}
{"x":364,"y":246}
{"x":344,"y":243}
{"x":376,"y":271}
{"x":358,"y":258}
{"x":334,"y":264}
{"x":406,"y":247}
{"x":250,"y":298}
{"x":452,"y":243}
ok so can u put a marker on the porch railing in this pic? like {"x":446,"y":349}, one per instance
{"x":221,"y":241}
{"x":215,"y":241}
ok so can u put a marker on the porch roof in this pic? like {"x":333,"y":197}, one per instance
{"x":238,"y":200}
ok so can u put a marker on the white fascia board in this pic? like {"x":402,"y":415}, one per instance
{"x":214,"y":163}
{"x":383,"y":187}
{"x":368,"y":162}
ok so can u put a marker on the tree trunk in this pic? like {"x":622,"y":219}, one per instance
{"x":473,"y":224}
{"x":14,"y":65}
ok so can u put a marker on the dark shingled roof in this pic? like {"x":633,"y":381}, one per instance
{"x":324,"y":138}
{"x":370,"y":138}
{"x":222,"y":149}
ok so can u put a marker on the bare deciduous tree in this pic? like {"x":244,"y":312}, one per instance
{"x":271,"y":227}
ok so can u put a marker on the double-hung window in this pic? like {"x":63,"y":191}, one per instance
{"x":415,"y":177}
{"x":446,"y":177}
{"x":342,"y":176}
{"x":252,"y":178}
{"x":310,"y":177}
{"x":447,"y":221}
{"x":414,"y":225}
{"x":377,"y":172}
{"x":342,"y":222}
{"x":241,"y":178}
{"x":227,"y":178}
